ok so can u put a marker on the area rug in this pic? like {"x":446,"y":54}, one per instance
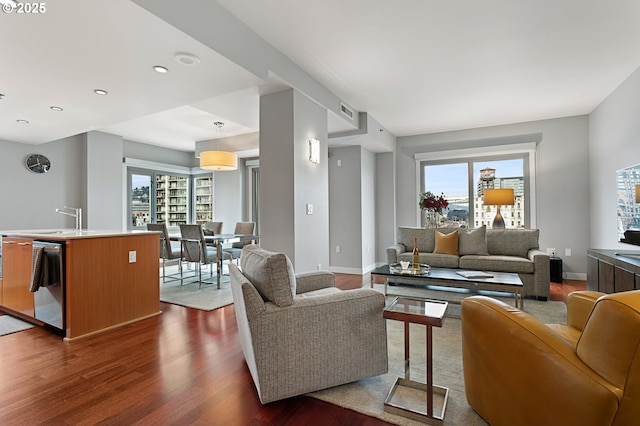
{"x":9,"y":324}
{"x":367,"y":396}
{"x":206,"y":297}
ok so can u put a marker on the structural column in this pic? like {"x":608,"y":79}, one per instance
{"x":294,"y":192}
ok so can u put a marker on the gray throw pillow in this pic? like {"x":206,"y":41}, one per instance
{"x":512,"y":242}
{"x":473,"y":241}
{"x":270,"y":273}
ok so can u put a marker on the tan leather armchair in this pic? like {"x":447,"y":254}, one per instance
{"x":519,"y":371}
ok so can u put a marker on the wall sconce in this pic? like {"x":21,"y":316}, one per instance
{"x":498,"y":197}
{"x":314,"y":150}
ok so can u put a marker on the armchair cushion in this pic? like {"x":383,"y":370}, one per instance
{"x":270,"y":273}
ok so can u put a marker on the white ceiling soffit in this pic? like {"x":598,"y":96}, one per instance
{"x":423,"y":66}
{"x":58,"y":58}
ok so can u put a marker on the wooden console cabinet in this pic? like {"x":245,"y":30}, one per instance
{"x":611,"y":273}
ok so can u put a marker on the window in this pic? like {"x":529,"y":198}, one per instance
{"x":159,"y":196}
{"x":457,"y":178}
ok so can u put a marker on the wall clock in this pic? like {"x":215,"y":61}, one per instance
{"x":38,"y":163}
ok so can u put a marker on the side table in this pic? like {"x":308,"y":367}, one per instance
{"x":429,"y":313}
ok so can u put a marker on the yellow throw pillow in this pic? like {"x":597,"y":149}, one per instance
{"x":447,"y":243}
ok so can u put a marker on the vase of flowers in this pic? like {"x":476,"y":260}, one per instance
{"x":432,"y":205}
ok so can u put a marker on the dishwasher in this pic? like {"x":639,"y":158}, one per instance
{"x":49,"y":301}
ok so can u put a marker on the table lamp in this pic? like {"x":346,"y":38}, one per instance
{"x":498,"y":197}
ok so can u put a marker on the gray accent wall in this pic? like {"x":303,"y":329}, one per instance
{"x":228,"y":197}
{"x":104,"y":182}
{"x":385,"y":207}
{"x":29,"y":200}
{"x":614,"y":143}
{"x":562,"y":178}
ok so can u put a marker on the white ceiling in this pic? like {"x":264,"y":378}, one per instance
{"x":416,"y":66}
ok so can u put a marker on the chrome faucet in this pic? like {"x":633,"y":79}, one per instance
{"x":77,"y":214}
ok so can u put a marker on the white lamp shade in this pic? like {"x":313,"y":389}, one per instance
{"x":218,"y":160}
{"x":498,"y":197}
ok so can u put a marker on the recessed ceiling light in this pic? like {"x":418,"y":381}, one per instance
{"x":100,"y":92}
{"x":56,"y":108}
{"x":160,"y":69}
{"x":186,"y":59}
{"x":22,"y":121}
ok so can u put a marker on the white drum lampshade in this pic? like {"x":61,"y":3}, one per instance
{"x":218,"y":160}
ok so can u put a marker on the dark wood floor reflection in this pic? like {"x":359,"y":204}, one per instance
{"x":182,"y":367}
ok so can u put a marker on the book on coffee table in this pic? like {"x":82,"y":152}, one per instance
{"x":474,"y":274}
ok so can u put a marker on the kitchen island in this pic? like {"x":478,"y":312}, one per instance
{"x":110,"y":278}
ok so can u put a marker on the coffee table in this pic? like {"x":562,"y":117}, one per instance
{"x":499,"y":281}
{"x":429,"y":313}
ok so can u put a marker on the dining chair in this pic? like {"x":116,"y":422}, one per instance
{"x":212,"y":228}
{"x":195,"y":250}
{"x":245,"y":228}
{"x":169,"y":250}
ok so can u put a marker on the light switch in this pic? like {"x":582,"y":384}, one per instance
{"x":132,"y":257}
{"x":309,"y":208}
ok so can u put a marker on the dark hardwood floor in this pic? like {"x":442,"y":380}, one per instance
{"x":182,"y":367}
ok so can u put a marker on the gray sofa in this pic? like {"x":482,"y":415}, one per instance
{"x":481,"y":249}
{"x":298,"y":332}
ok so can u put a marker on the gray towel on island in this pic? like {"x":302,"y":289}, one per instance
{"x":37,"y":267}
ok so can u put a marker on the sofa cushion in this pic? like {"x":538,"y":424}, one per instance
{"x":497,"y":263}
{"x":473,"y":241}
{"x":446,"y":243}
{"x":433,"y":259}
{"x":426,"y":237}
{"x":512,"y":242}
{"x":270,"y":273}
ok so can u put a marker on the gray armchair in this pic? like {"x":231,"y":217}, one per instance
{"x":298,"y":332}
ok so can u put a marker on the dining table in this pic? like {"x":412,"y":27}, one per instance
{"x":218,"y":240}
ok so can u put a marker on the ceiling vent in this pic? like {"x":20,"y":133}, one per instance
{"x":345,"y":110}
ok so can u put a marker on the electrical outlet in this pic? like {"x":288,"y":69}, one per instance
{"x":338,"y":249}
{"x":309,"y":208}
{"x":132,"y":257}
{"x":567,"y":252}
{"x":319,"y":266}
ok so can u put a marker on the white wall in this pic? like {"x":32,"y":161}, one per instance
{"x":562,"y":178}
{"x":614,"y":143}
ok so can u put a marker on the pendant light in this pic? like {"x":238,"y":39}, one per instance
{"x":218,"y":160}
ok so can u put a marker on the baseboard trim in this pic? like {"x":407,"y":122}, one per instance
{"x":576,"y":276}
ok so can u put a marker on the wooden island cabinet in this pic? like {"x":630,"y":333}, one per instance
{"x":111,"y":278}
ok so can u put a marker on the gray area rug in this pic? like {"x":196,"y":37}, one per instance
{"x":9,"y":324}
{"x":367,"y":396}
{"x":206,"y":297}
